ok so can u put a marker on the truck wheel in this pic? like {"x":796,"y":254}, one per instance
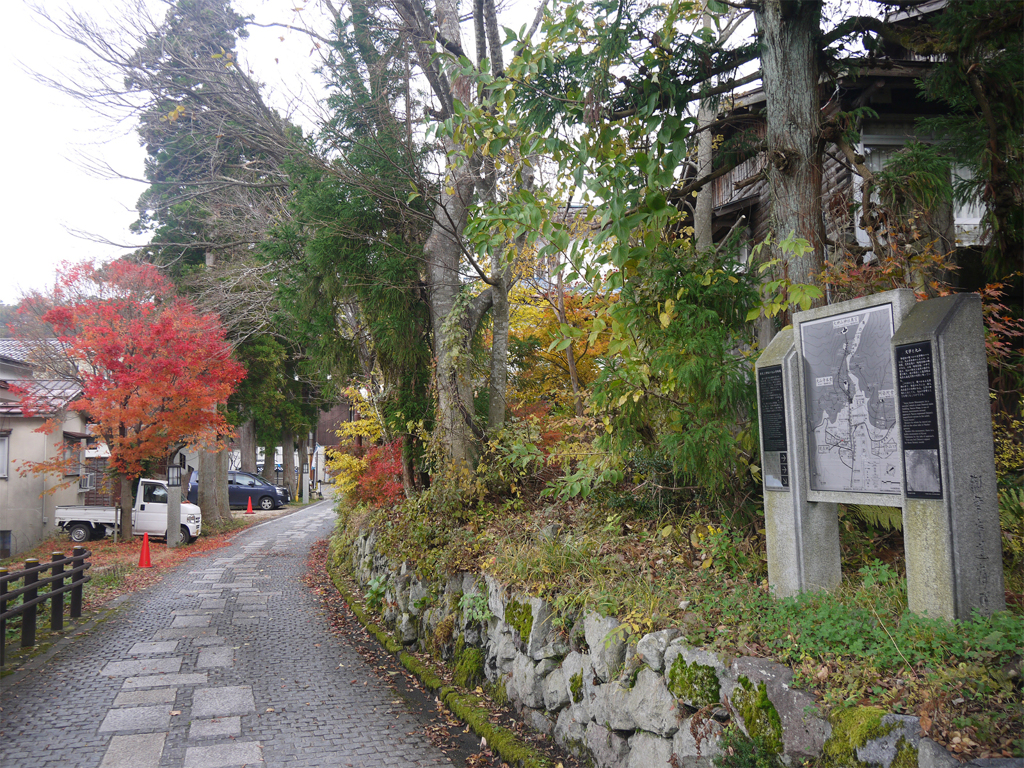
{"x":80,"y":532}
{"x":186,"y":536}
{"x":266,"y":503}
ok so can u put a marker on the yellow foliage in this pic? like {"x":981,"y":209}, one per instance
{"x":345,"y":469}
{"x":543,"y":374}
{"x":368,"y":426}
{"x":1009,"y":447}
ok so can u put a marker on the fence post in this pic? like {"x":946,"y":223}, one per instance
{"x":3,"y":622}
{"x":28,"y":618}
{"x":77,"y":581}
{"x":57,"y":601}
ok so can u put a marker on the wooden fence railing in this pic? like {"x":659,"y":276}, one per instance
{"x":31,"y":597}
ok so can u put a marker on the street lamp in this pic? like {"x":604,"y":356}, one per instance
{"x":173,"y":505}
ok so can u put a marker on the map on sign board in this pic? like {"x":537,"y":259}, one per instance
{"x":851,"y":402}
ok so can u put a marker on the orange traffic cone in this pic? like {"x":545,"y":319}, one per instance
{"x":144,"y":556}
{"x":248,"y":509}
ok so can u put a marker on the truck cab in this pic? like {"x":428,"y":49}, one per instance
{"x":149,"y":515}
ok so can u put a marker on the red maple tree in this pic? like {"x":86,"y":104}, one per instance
{"x":152,"y":369}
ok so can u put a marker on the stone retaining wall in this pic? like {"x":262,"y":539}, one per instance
{"x":620,"y":701}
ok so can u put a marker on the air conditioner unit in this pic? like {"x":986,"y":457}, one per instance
{"x":87,"y":482}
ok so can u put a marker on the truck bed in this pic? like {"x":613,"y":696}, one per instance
{"x":71,"y":513}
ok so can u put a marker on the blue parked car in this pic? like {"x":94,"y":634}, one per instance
{"x":243,"y":486}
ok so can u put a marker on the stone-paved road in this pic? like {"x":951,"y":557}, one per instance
{"x":225,"y":662}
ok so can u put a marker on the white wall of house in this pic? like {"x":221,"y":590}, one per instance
{"x":26,"y":507}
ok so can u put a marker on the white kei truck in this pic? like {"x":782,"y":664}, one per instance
{"x":148,"y":516}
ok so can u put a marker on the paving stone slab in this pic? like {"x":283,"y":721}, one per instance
{"x":252,"y":599}
{"x":136,"y":751}
{"x":215,"y":657}
{"x":153,"y":696}
{"x":141,"y":667}
{"x":142,"y":649}
{"x":152,"y":681}
{"x":217,"y":702}
{"x":246,"y":753}
{"x":213,"y":604}
{"x":218,"y":726}
{"x":190,"y":621}
{"x":155,"y":718}
{"x":170,"y":634}
{"x":203,"y":641}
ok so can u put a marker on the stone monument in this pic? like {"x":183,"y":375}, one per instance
{"x":951,"y":504}
{"x":845,"y":417}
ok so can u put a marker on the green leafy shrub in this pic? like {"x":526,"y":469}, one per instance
{"x":375,"y":592}
{"x":475,"y":608}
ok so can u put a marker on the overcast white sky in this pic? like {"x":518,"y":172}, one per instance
{"x":46,"y":137}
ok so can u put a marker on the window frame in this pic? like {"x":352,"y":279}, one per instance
{"x":5,"y":454}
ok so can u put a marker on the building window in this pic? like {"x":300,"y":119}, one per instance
{"x":72,"y":454}
{"x":4,"y":455}
{"x":5,"y":538}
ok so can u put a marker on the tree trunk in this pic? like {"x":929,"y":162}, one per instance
{"x":408,"y":467}
{"x":288,"y":461}
{"x":303,"y":490}
{"x":499,"y":348}
{"x":222,"y":461}
{"x":790,"y":39}
{"x":442,"y":250}
{"x":443,"y":254}
{"x":703,"y":233}
{"x":269,"y":463}
{"x":127,"y":503}
{"x":247,"y":446}
{"x":213,"y":485}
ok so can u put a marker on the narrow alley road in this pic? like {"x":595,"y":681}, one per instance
{"x":226,"y":662}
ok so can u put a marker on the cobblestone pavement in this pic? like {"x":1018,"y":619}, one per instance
{"x":225,"y":662}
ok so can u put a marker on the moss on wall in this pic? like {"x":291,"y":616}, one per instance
{"x":906,"y":755}
{"x":694,"y":683}
{"x":469,"y":667}
{"x":576,"y":687}
{"x":445,"y":631}
{"x":852,"y":728}
{"x":519,"y":616}
{"x":759,"y":715}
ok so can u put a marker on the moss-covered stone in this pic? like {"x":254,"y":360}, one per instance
{"x":469,"y":667}
{"x":696,"y":684}
{"x":852,"y":728}
{"x":906,"y":755}
{"x":498,"y":693}
{"x":759,"y":715}
{"x":576,"y":687}
{"x":445,"y":631}
{"x":519,"y":616}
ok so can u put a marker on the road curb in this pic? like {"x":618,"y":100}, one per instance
{"x":468,"y":708}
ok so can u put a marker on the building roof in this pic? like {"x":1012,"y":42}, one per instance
{"x":13,"y":350}
{"x":27,"y":350}
{"x":49,"y":395}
